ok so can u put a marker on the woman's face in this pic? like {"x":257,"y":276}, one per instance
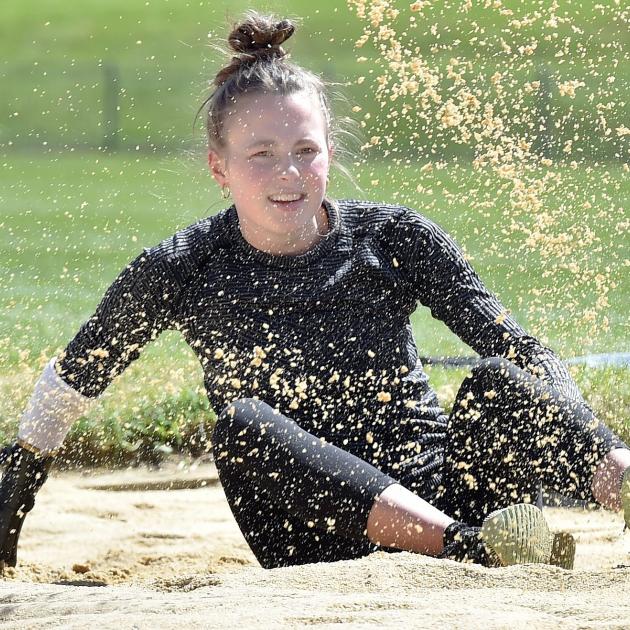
{"x":275,"y":162}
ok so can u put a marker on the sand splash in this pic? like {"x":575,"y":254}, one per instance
{"x":522,"y":93}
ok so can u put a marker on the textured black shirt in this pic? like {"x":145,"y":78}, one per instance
{"x":325,"y":337}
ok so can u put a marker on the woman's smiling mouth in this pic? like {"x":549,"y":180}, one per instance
{"x":287,"y":201}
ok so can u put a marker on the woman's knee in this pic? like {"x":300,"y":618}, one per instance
{"x":496,"y":373}
{"x":492,"y":383}
{"x":240,"y":416}
{"x":493,"y":366}
{"x":236,"y":433}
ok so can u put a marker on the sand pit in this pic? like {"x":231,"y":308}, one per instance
{"x":119,"y":550}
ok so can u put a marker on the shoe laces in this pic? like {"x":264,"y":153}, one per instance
{"x":463,"y":543}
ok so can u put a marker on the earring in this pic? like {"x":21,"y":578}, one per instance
{"x":225,"y":192}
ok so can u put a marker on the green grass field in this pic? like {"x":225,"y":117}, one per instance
{"x":72,"y":217}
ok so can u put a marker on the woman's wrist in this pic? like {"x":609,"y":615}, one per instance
{"x":52,"y":409}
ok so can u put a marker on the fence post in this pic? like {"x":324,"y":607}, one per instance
{"x":111,"y":91}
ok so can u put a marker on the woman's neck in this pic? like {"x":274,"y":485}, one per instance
{"x":291,"y":245}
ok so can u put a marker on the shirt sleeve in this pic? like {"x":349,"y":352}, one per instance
{"x":442,"y":279}
{"x":135,"y":309}
{"x":143,"y":301}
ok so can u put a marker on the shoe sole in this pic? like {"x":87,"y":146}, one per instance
{"x":518,"y":534}
{"x":563,"y":550}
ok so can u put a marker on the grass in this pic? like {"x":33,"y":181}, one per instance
{"x":72,"y":219}
{"x":56,"y":60}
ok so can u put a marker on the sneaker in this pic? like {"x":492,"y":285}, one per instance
{"x":519,"y":534}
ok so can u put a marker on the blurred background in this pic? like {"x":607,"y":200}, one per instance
{"x":506,"y":122}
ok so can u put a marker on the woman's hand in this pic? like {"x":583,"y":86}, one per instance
{"x":24,"y":475}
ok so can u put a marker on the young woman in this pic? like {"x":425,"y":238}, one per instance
{"x":330,"y":443}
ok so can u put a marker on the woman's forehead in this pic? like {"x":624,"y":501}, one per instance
{"x":272,"y":115}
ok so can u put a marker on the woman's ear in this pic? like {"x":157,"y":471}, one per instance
{"x":217,"y":168}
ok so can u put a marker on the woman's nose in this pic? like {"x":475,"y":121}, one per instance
{"x":288,"y":167}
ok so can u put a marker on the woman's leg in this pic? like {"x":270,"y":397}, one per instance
{"x":279,"y":539}
{"x":401,"y":519}
{"x":507,"y":433}
{"x":299,"y":499}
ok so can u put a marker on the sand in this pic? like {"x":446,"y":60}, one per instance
{"x":120,"y":550}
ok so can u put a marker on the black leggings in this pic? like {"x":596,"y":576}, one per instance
{"x":299,"y":499}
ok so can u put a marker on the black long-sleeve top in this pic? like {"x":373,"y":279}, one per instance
{"x":325,"y":337}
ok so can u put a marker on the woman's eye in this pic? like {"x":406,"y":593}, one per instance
{"x":298,"y":153}
{"x":306,"y":151}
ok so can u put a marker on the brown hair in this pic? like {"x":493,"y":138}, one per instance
{"x":260,"y":65}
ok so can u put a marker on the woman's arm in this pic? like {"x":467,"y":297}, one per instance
{"x":443,"y":280}
{"x":135,"y":309}
{"x":143,"y":301}
{"x":113,"y":337}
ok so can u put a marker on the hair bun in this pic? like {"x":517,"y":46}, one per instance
{"x":260,"y":34}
